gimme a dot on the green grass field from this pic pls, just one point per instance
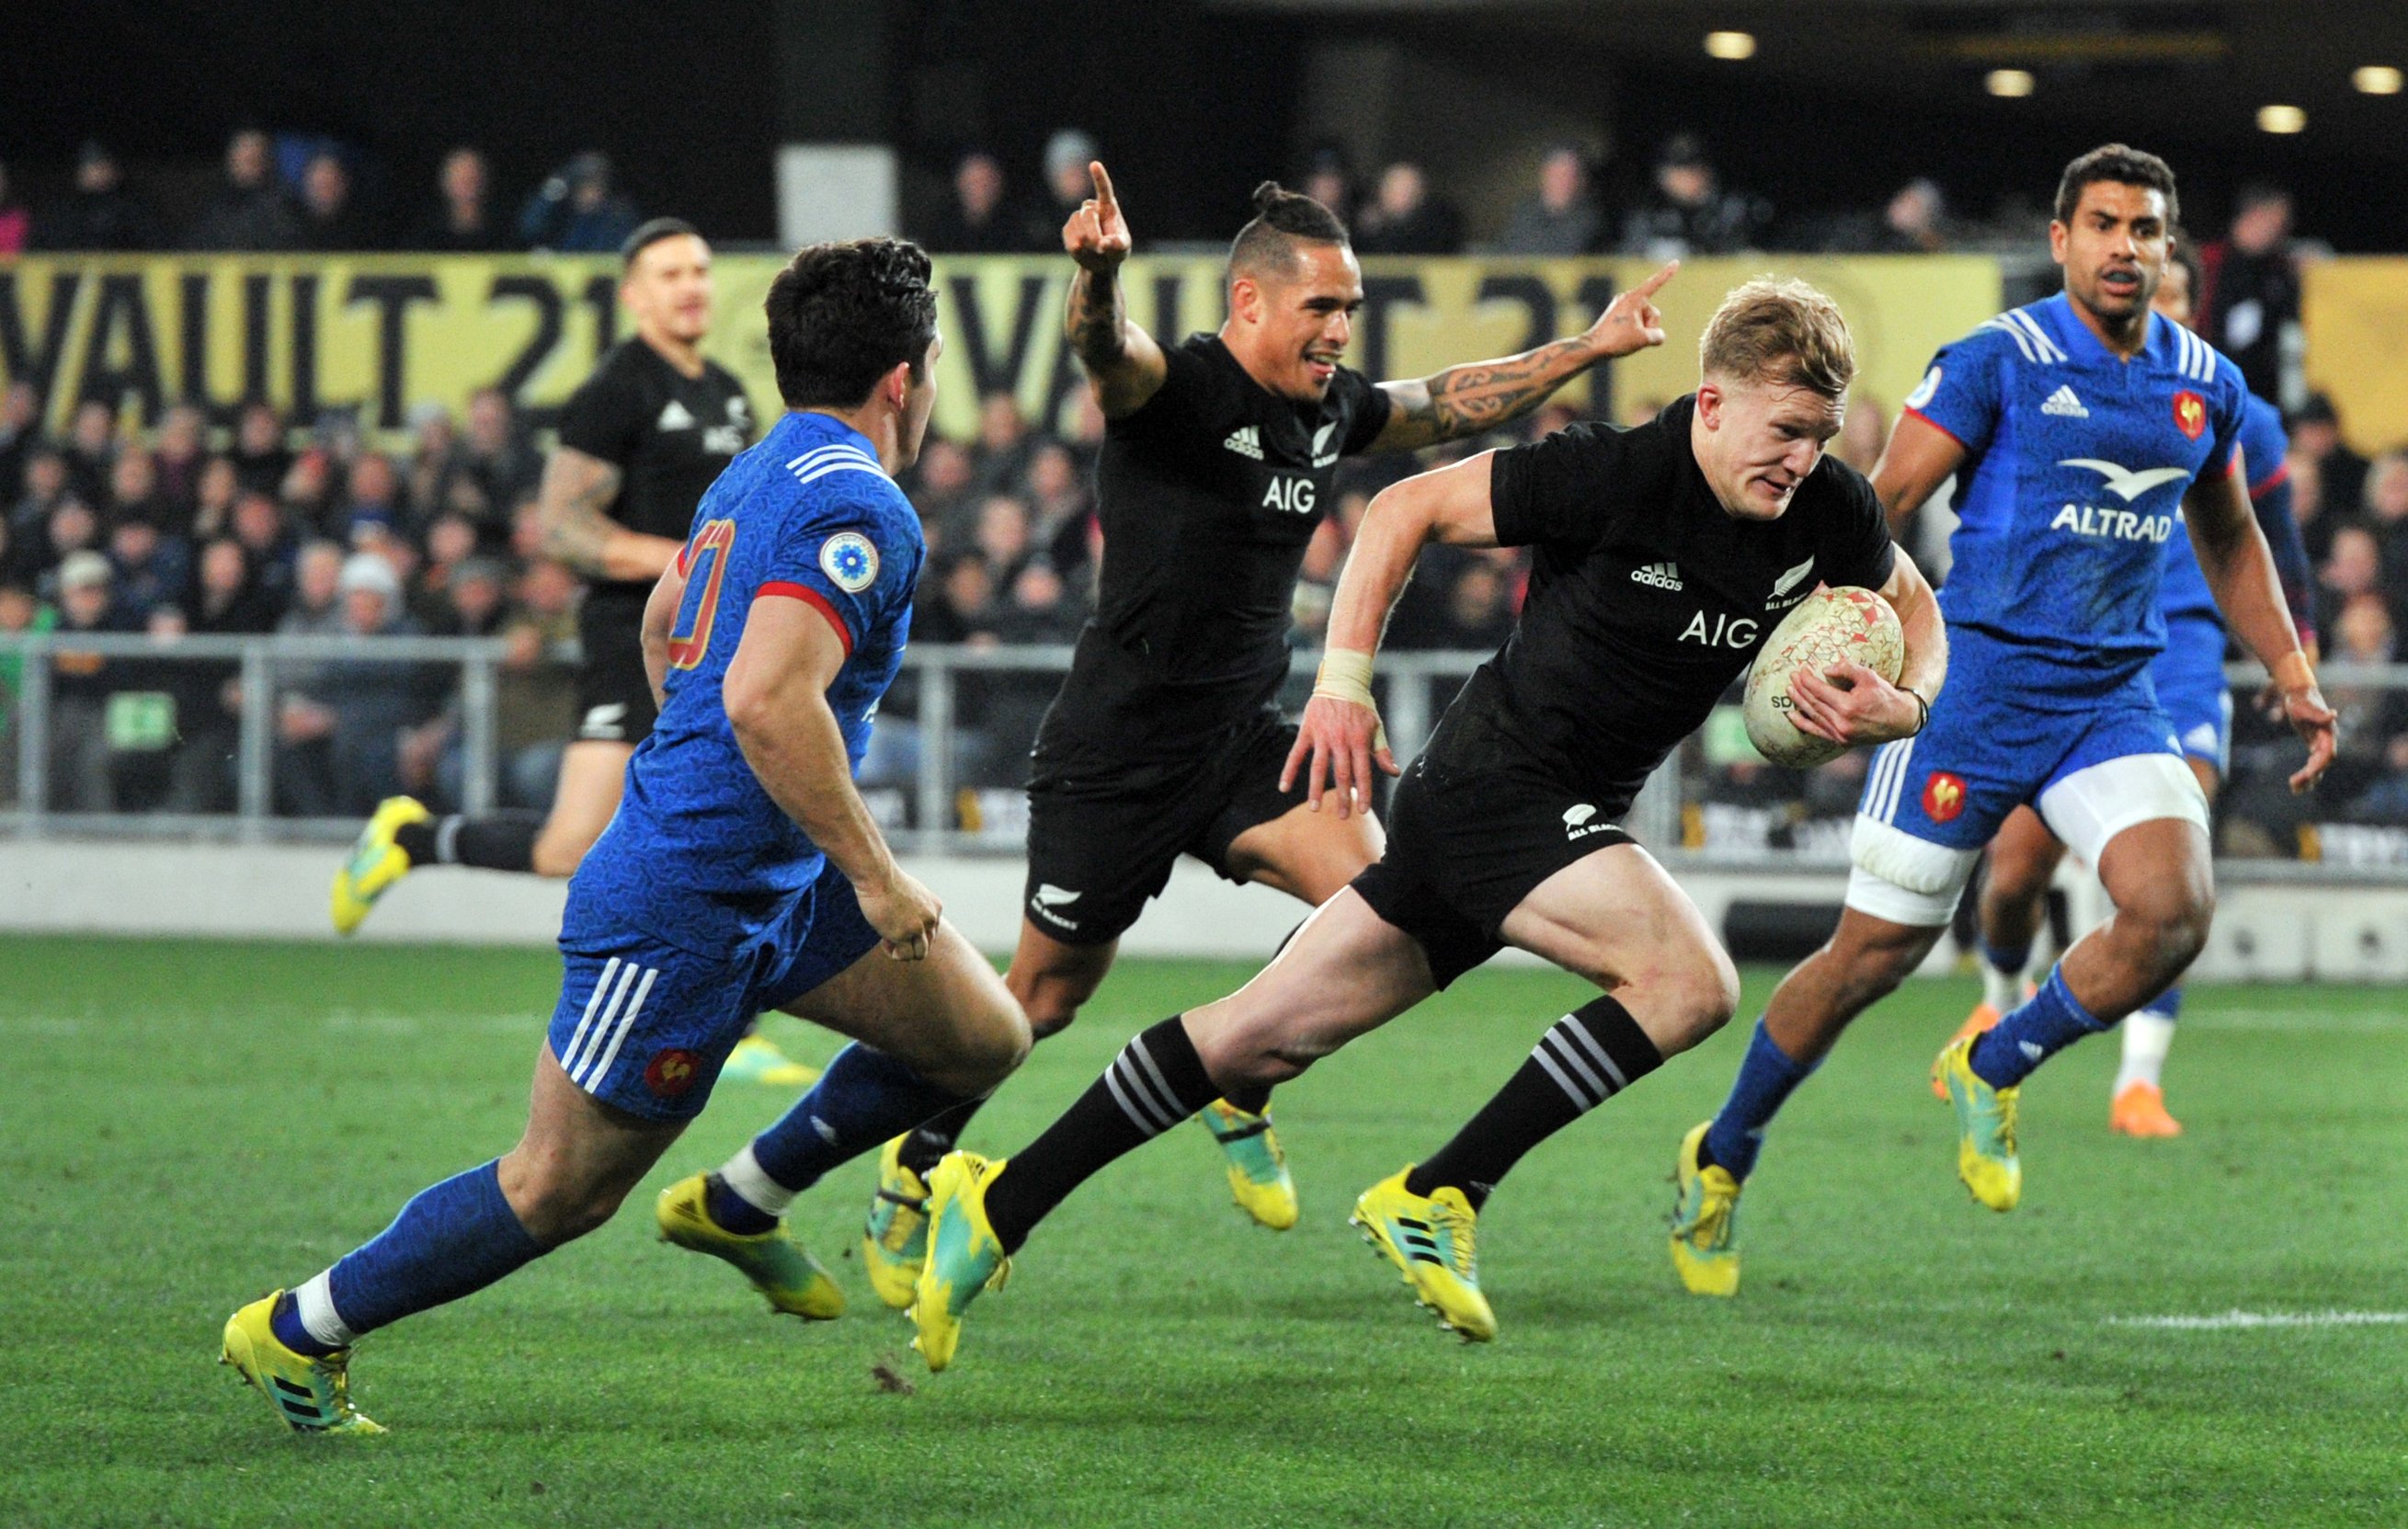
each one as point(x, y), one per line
point(192, 1123)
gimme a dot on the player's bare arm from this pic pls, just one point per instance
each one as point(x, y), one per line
point(775, 693)
point(1852, 704)
point(1340, 738)
point(2239, 569)
point(578, 533)
point(1481, 395)
point(659, 619)
point(1920, 457)
point(1125, 366)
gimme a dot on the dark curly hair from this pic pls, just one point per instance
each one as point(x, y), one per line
point(1282, 219)
point(841, 316)
point(2123, 166)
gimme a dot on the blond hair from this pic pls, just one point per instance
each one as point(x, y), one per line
point(1780, 330)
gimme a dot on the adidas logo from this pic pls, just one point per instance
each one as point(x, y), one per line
point(1246, 441)
point(675, 417)
point(2065, 406)
point(1664, 576)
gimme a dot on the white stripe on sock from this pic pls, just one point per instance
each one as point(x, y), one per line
point(1143, 1118)
point(1162, 1085)
point(1580, 1032)
point(314, 1304)
point(447, 840)
point(619, 1037)
point(1563, 1081)
point(752, 1184)
point(1566, 1053)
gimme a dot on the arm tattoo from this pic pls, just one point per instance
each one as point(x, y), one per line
point(1094, 321)
point(1479, 395)
point(575, 530)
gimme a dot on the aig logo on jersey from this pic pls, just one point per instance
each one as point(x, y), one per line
point(849, 560)
point(1292, 494)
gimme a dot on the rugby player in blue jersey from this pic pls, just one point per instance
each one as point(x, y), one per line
point(2083, 434)
point(742, 873)
point(2189, 679)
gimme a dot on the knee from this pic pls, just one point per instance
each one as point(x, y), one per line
point(1870, 971)
point(984, 1052)
point(555, 1205)
point(1690, 1000)
point(1049, 1013)
point(2172, 925)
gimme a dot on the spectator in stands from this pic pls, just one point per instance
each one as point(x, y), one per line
point(214, 492)
point(1330, 181)
point(373, 498)
point(2315, 434)
point(1406, 219)
point(331, 219)
point(101, 213)
point(149, 567)
point(1059, 505)
point(1864, 430)
point(21, 432)
point(268, 543)
point(20, 613)
point(227, 601)
point(2354, 567)
point(1068, 184)
point(1915, 222)
point(2309, 506)
point(462, 221)
point(497, 454)
point(92, 449)
point(81, 683)
point(2251, 298)
point(47, 484)
point(16, 224)
point(261, 456)
point(72, 528)
point(2371, 716)
point(1687, 212)
point(1480, 606)
point(940, 486)
point(1001, 457)
point(340, 737)
point(179, 454)
point(307, 495)
point(434, 600)
point(1001, 537)
point(981, 219)
point(249, 211)
point(576, 211)
point(316, 609)
point(1563, 216)
point(134, 487)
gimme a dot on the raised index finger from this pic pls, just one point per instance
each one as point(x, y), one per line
point(1648, 288)
point(1106, 202)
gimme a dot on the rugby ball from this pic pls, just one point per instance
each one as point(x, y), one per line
point(1829, 626)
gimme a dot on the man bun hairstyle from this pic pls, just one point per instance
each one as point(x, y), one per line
point(1282, 219)
point(1781, 332)
point(649, 234)
point(2124, 165)
point(842, 316)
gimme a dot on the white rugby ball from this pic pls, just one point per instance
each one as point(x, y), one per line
point(1829, 626)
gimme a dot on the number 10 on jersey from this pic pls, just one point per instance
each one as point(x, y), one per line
point(706, 565)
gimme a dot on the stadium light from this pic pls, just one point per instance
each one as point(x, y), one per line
point(1732, 46)
point(2377, 79)
point(2282, 119)
point(2009, 83)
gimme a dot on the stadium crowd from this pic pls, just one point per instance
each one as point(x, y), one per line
point(259, 523)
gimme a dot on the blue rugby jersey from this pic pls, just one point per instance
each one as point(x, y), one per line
point(2077, 462)
point(698, 854)
point(2264, 450)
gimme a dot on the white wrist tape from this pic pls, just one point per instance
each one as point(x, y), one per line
point(1346, 676)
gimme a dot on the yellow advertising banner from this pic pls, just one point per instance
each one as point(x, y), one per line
point(2356, 313)
point(380, 335)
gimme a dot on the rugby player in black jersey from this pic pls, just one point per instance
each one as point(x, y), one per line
point(1665, 554)
point(1218, 463)
point(640, 441)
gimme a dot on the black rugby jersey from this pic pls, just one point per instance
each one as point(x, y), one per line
point(1207, 495)
point(1647, 599)
point(670, 434)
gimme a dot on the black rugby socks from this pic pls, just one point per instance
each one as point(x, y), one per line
point(1154, 1083)
point(1586, 1058)
point(502, 841)
point(935, 1137)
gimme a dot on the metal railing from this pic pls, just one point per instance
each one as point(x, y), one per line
point(925, 794)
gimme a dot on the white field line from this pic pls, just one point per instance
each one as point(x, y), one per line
point(2236, 1319)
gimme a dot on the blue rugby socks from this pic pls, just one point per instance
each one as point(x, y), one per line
point(452, 1240)
point(1767, 1077)
point(864, 1097)
point(2034, 1032)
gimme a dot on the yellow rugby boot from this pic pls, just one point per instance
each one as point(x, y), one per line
point(1986, 1129)
point(1984, 1015)
point(894, 1243)
point(780, 1270)
point(1430, 1239)
point(757, 1059)
point(375, 862)
point(1259, 1176)
point(965, 1256)
point(1705, 1220)
point(310, 1395)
